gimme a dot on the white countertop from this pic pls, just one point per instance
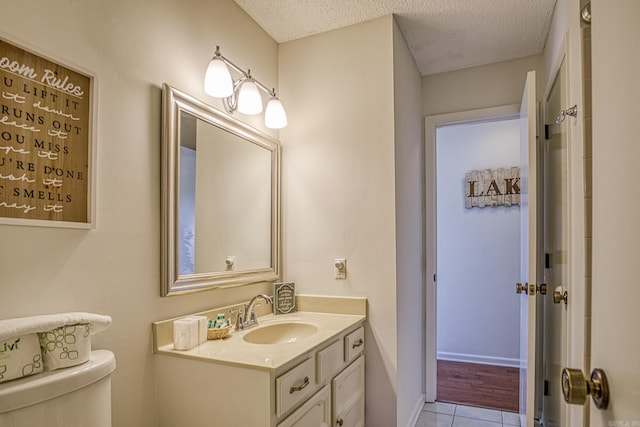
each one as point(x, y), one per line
point(234, 350)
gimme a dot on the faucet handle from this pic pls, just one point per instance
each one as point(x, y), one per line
point(239, 318)
point(251, 316)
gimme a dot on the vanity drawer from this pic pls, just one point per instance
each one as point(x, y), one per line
point(329, 361)
point(353, 344)
point(294, 386)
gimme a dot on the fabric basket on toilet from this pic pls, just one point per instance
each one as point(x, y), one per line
point(20, 357)
point(65, 346)
point(29, 345)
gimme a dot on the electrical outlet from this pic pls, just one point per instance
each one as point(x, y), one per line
point(339, 268)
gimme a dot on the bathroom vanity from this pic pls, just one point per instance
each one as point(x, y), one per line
point(303, 368)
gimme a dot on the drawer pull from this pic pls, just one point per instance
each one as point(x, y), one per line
point(299, 387)
point(358, 343)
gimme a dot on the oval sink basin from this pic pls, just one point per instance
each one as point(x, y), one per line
point(280, 333)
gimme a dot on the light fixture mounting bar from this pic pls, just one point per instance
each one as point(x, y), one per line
point(242, 94)
point(247, 73)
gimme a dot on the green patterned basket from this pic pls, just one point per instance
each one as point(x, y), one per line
point(65, 346)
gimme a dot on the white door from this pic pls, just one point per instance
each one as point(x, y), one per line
point(615, 339)
point(529, 249)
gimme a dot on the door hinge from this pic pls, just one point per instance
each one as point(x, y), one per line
point(547, 132)
point(546, 388)
point(547, 260)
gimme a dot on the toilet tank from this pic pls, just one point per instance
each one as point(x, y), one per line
point(79, 396)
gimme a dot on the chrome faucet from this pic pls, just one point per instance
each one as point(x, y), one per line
point(248, 319)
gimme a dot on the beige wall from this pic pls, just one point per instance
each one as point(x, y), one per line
point(409, 230)
point(339, 184)
point(115, 269)
point(485, 86)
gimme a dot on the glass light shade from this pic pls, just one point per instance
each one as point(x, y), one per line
point(275, 117)
point(249, 99)
point(217, 80)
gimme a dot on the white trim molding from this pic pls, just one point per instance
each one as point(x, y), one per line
point(479, 359)
point(415, 413)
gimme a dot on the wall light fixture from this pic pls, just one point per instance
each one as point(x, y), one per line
point(242, 94)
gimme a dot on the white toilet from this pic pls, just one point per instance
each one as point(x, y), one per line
point(79, 396)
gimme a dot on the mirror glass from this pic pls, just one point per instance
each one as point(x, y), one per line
point(220, 199)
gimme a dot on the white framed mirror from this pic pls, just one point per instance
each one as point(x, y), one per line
point(220, 199)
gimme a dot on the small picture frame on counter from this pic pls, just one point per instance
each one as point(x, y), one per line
point(284, 298)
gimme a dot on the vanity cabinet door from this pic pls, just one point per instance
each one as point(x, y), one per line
point(315, 412)
point(348, 396)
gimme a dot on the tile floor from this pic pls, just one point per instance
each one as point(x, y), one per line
point(441, 414)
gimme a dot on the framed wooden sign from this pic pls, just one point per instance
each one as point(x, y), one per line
point(492, 187)
point(46, 141)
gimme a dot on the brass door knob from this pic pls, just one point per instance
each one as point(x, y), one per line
point(559, 295)
point(531, 289)
point(576, 387)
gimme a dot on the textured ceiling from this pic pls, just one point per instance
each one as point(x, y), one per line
point(443, 35)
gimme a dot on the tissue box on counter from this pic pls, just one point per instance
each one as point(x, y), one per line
point(185, 333)
point(202, 327)
point(65, 346)
point(20, 357)
point(189, 332)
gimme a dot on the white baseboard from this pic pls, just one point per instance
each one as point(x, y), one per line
point(476, 358)
point(416, 411)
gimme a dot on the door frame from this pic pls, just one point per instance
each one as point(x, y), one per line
point(547, 117)
point(430, 126)
point(571, 52)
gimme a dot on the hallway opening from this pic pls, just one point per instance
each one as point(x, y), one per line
point(476, 354)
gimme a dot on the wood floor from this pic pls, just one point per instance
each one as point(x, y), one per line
point(486, 386)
